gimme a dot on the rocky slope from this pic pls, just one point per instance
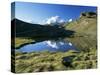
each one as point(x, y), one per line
point(85, 28)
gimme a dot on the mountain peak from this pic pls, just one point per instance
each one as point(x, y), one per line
point(88, 14)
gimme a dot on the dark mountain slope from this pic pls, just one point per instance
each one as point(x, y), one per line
point(24, 29)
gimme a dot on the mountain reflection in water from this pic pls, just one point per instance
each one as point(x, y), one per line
point(48, 45)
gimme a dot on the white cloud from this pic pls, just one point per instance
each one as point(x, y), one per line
point(30, 21)
point(54, 20)
point(61, 21)
point(70, 44)
point(70, 20)
point(61, 43)
point(52, 44)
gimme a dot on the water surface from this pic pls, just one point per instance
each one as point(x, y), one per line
point(48, 45)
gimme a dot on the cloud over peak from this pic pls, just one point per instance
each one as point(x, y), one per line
point(54, 20)
point(70, 20)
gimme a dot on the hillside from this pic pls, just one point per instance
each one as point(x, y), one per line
point(24, 29)
point(85, 28)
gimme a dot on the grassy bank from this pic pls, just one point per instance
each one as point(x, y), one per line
point(20, 41)
point(48, 61)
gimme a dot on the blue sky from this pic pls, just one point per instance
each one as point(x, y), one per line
point(39, 12)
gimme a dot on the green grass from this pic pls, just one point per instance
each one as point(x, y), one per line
point(52, 61)
point(83, 42)
point(19, 41)
point(85, 35)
